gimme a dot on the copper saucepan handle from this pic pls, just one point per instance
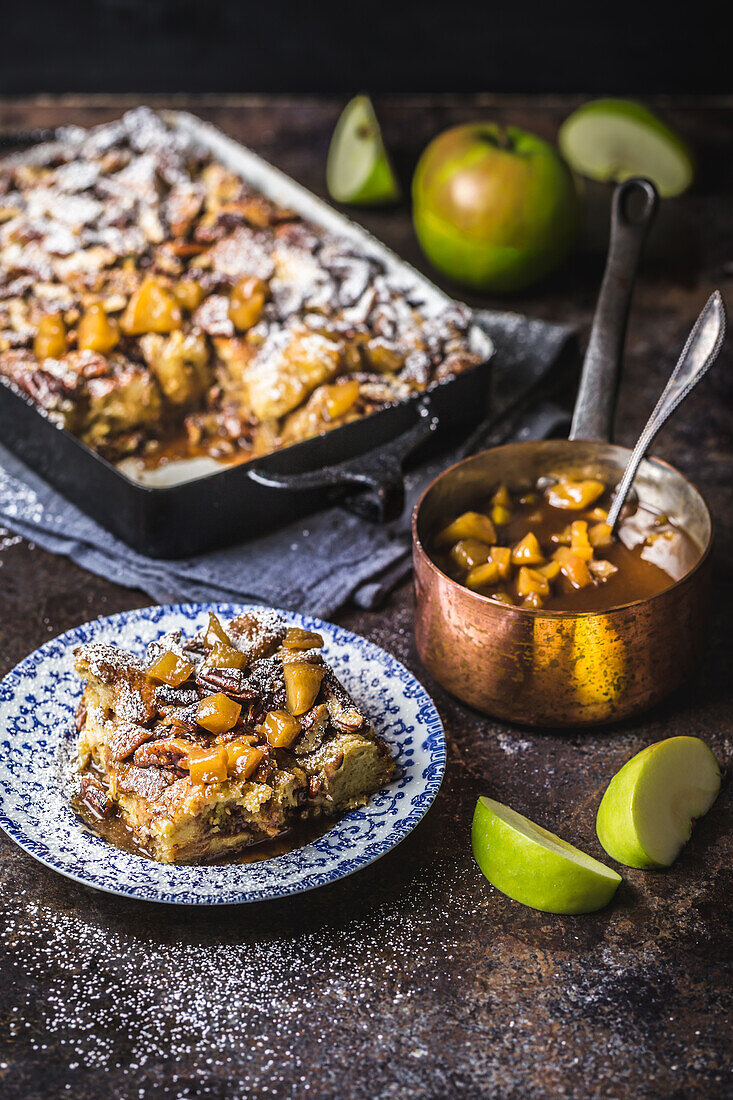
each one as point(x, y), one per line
point(630, 222)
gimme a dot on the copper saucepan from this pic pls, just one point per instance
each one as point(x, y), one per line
point(564, 668)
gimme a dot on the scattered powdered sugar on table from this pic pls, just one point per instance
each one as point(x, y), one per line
point(512, 745)
point(195, 1003)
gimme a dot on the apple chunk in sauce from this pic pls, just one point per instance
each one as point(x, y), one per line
point(550, 547)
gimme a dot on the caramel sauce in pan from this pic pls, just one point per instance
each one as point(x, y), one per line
point(179, 447)
point(643, 569)
point(113, 830)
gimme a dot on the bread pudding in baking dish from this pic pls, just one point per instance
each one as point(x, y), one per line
point(156, 305)
point(224, 740)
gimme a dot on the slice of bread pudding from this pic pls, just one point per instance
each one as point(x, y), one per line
point(216, 742)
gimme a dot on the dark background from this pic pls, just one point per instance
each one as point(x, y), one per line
point(307, 45)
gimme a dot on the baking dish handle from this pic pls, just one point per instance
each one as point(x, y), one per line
point(377, 476)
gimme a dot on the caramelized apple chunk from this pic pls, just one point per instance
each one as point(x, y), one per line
point(302, 684)
point(296, 638)
point(579, 543)
point(170, 669)
point(502, 497)
point(600, 535)
point(247, 302)
point(573, 567)
point(483, 575)
point(50, 339)
point(527, 551)
point(468, 553)
point(222, 655)
point(502, 596)
point(95, 331)
point(189, 294)
point(502, 555)
point(243, 759)
point(215, 634)
point(341, 397)
point(551, 570)
point(575, 495)
point(281, 728)
point(208, 765)
point(470, 525)
point(218, 713)
point(152, 308)
point(531, 580)
point(602, 570)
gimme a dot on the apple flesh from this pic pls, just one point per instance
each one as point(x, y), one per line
point(615, 139)
point(535, 867)
point(647, 813)
point(358, 169)
point(494, 208)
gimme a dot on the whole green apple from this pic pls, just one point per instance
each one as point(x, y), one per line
point(494, 207)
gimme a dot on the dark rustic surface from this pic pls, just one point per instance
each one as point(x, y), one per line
point(414, 977)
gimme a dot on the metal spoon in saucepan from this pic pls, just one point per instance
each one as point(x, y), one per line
point(698, 355)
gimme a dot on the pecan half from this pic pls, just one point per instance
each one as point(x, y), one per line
point(182, 696)
point(165, 753)
point(126, 740)
point(344, 715)
point(94, 797)
point(229, 680)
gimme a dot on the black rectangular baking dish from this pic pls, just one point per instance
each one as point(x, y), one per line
point(360, 462)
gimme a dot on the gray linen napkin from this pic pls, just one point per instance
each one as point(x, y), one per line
point(314, 565)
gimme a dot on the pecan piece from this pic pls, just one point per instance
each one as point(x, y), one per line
point(80, 715)
point(94, 797)
point(182, 696)
point(229, 680)
point(314, 786)
point(168, 752)
point(333, 765)
point(126, 740)
point(344, 715)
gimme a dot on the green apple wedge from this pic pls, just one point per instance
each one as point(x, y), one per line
point(647, 813)
point(535, 867)
point(358, 169)
point(614, 139)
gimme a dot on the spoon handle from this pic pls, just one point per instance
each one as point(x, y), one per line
point(633, 207)
point(698, 354)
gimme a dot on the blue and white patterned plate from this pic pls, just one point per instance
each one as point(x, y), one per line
point(37, 701)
